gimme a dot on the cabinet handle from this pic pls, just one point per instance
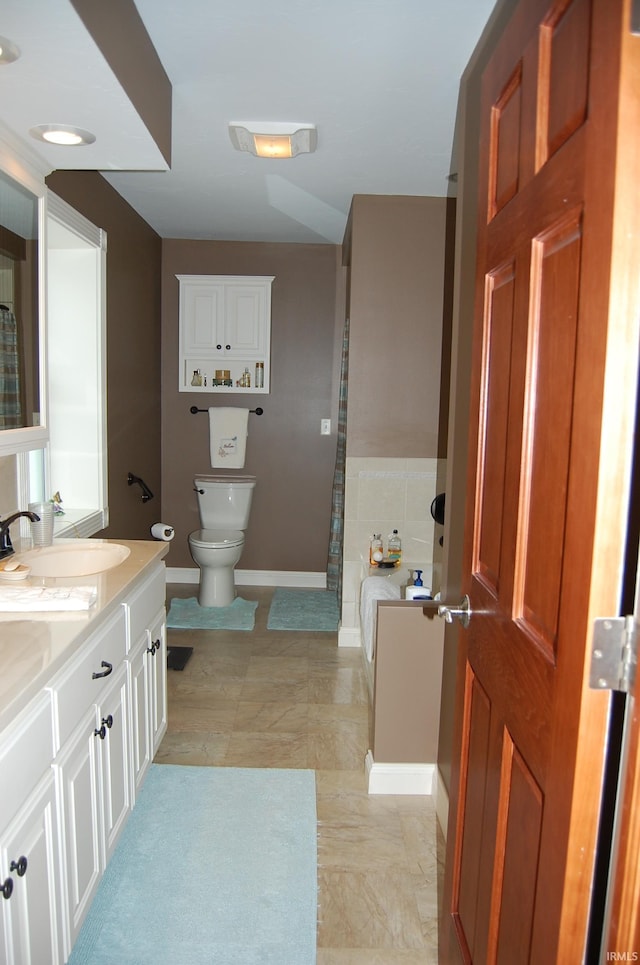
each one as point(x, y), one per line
point(7, 888)
point(228, 347)
point(102, 673)
point(108, 721)
point(20, 866)
point(100, 732)
point(152, 648)
point(218, 347)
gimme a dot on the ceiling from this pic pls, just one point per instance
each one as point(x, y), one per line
point(379, 79)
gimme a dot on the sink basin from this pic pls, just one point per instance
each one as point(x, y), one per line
point(80, 557)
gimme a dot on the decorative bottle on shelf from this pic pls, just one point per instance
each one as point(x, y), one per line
point(394, 548)
point(259, 375)
point(375, 550)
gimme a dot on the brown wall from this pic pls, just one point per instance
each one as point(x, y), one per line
point(395, 249)
point(133, 348)
point(406, 704)
point(293, 463)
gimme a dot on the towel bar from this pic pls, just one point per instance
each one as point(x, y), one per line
point(194, 409)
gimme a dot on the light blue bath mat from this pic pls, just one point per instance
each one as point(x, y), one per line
point(189, 615)
point(216, 866)
point(298, 609)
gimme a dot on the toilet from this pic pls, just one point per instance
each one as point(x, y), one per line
point(224, 504)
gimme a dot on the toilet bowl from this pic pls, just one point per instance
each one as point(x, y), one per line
point(224, 503)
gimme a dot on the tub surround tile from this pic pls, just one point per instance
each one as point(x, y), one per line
point(382, 495)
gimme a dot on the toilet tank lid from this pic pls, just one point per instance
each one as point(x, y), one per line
point(225, 480)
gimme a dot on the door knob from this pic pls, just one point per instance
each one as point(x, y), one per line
point(462, 612)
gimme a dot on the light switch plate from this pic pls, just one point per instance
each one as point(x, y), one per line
point(325, 427)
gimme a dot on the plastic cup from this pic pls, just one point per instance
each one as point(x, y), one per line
point(42, 531)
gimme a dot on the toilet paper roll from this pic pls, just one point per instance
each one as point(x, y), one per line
point(162, 531)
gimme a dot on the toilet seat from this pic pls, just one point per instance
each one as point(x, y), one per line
point(216, 538)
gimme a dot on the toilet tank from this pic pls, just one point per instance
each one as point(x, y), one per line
point(224, 502)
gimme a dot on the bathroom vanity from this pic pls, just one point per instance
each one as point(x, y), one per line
point(82, 711)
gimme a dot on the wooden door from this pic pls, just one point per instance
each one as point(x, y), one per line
point(553, 399)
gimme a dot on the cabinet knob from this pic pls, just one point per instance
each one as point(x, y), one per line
point(102, 673)
point(100, 732)
point(20, 866)
point(228, 347)
point(218, 347)
point(108, 721)
point(7, 888)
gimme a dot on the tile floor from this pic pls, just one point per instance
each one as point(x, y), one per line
point(289, 699)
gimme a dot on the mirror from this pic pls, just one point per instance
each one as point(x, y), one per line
point(19, 286)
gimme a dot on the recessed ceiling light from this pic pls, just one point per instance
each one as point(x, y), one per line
point(273, 139)
point(8, 51)
point(63, 134)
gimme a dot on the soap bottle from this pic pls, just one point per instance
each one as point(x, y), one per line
point(394, 548)
point(417, 590)
point(375, 551)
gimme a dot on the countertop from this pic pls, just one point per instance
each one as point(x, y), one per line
point(33, 647)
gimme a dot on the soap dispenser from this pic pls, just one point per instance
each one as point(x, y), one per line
point(417, 591)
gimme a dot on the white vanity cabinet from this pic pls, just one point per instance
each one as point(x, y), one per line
point(147, 670)
point(83, 708)
point(92, 766)
point(225, 327)
point(31, 903)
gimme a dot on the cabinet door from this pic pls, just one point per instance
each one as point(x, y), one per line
point(246, 319)
point(29, 856)
point(202, 317)
point(140, 719)
point(158, 678)
point(113, 740)
point(76, 770)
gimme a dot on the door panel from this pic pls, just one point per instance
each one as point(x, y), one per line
point(547, 488)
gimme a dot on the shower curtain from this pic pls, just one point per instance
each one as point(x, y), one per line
point(336, 538)
point(10, 408)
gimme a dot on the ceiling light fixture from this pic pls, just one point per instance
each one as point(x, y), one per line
point(273, 138)
point(62, 134)
point(8, 51)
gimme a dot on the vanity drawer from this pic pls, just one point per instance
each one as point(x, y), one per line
point(144, 603)
point(26, 752)
point(76, 688)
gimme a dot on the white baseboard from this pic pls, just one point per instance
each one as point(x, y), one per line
point(442, 803)
point(349, 637)
point(182, 574)
point(399, 778)
point(191, 574)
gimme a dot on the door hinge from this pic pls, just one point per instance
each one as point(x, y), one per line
point(614, 654)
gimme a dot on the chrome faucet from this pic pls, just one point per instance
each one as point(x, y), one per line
point(6, 548)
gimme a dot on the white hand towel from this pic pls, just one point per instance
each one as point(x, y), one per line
point(28, 599)
point(228, 436)
point(373, 588)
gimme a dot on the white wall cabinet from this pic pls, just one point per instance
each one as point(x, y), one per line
point(225, 330)
point(76, 758)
